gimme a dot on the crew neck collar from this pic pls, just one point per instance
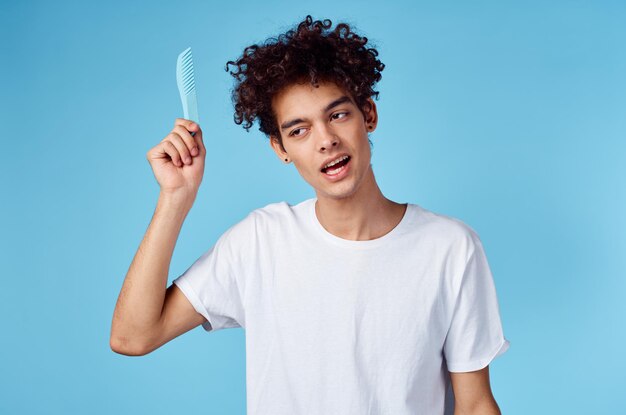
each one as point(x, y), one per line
point(392, 235)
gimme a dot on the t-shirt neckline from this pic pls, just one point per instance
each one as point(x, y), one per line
point(347, 243)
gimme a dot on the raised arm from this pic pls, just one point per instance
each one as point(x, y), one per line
point(147, 314)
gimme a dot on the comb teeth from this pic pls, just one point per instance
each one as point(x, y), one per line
point(185, 63)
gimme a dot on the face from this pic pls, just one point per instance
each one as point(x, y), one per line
point(320, 125)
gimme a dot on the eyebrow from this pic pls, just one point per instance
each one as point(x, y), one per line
point(330, 106)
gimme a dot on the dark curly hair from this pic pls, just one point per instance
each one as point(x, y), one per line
point(310, 52)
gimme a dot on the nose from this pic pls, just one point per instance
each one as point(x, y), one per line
point(329, 139)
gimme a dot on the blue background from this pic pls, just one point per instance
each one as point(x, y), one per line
point(508, 116)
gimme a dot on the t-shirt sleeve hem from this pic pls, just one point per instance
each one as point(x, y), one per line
point(477, 364)
point(193, 298)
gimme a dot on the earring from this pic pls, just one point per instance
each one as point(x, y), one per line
point(286, 159)
point(370, 127)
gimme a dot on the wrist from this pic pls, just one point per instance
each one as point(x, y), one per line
point(176, 199)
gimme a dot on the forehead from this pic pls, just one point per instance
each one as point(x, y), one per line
point(303, 99)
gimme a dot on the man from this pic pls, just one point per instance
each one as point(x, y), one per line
point(352, 303)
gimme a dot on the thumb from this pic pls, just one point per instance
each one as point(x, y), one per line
point(197, 136)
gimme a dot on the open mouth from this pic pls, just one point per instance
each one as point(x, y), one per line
point(336, 168)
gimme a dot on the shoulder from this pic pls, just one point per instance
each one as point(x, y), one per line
point(281, 215)
point(264, 219)
point(453, 242)
point(447, 231)
point(273, 211)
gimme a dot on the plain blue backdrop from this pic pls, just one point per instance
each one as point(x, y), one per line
point(510, 116)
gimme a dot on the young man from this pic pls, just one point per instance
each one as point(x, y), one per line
point(352, 303)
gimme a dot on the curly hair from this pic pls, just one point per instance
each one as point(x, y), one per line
point(312, 52)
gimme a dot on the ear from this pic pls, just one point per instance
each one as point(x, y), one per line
point(370, 115)
point(274, 143)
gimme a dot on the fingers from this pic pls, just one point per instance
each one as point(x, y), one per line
point(185, 123)
point(182, 145)
point(168, 148)
point(185, 144)
point(179, 145)
point(194, 131)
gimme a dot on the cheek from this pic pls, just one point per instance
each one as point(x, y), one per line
point(305, 169)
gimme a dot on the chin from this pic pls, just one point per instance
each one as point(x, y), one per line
point(337, 193)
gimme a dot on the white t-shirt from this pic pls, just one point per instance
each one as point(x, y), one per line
point(335, 326)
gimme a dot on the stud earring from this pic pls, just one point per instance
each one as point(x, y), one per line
point(286, 159)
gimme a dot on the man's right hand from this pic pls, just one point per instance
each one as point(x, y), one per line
point(168, 159)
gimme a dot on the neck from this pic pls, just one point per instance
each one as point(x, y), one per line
point(364, 215)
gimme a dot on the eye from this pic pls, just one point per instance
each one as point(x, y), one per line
point(292, 134)
point(339, 113)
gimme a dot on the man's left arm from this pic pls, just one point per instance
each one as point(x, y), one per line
point(472, 393)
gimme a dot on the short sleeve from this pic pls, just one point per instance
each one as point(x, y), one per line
point(475, 336)
point(213, 283)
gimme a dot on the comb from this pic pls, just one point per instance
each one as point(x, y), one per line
point(187, 85)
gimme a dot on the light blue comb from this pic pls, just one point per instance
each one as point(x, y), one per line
point(187, 85)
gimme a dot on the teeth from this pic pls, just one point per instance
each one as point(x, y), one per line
point(335, 171)
point(332, 163)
